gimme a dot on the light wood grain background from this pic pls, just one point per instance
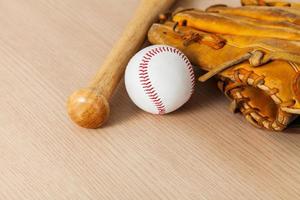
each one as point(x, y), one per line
point(50, 48)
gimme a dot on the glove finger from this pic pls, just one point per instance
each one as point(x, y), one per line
point(217, 23)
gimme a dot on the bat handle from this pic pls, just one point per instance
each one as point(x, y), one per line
point(89, 107)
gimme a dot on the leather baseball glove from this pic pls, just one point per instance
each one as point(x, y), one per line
point(255, 59)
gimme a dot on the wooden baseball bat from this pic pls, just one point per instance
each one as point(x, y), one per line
point(89, 107)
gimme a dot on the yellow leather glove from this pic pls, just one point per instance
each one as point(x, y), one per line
point(259, 72)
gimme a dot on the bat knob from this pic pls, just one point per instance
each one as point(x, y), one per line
point(87, 108)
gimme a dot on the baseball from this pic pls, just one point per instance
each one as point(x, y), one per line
point(159, 79)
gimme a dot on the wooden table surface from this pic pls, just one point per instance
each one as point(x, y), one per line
point(202, 151)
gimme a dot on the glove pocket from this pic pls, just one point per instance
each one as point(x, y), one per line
point(263, 95)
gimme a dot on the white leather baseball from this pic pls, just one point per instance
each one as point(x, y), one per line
point(159, 79)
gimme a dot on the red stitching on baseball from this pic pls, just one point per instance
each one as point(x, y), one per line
point(145, 80)
point(155, 95)
point(158, 101)
point(156, 51)
point(149, 89)
point(143, 73)
point(146, 84)
point(143, 66)
point(151, 53)
point(142, 70)
point(144, 77)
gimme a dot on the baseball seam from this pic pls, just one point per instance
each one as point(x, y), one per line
point(146, 81)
